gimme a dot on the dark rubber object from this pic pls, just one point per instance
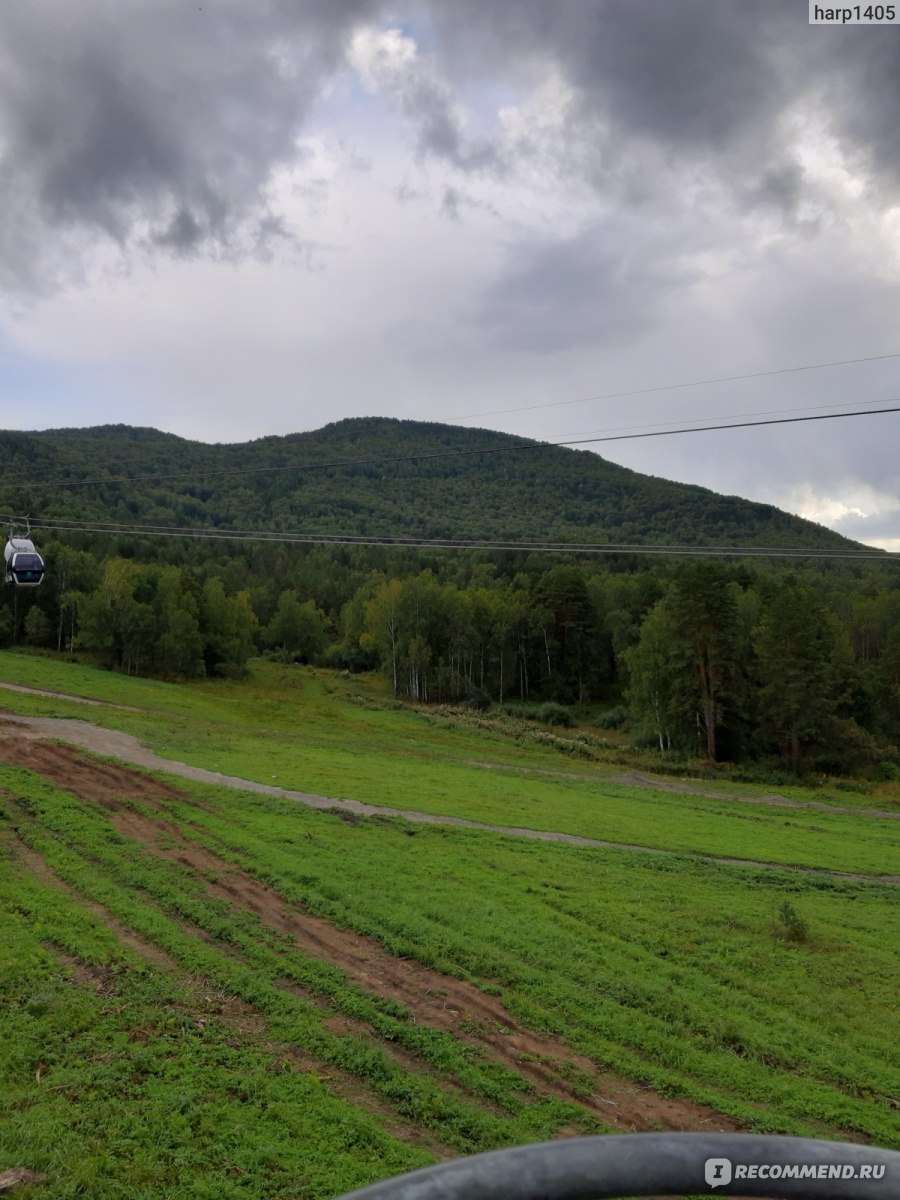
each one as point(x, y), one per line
point(644, 1164)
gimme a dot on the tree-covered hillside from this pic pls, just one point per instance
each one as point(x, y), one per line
point(797, 660)
point(284, 483)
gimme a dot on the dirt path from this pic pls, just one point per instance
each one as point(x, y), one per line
point(639, 780)
point(30, 691)
point(626, 779)
point(127, 748)
point(436, 1000)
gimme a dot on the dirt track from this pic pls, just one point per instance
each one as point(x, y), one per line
point(31, 691)
point(128, 749)
point(209, 1002)
point(435, 1000)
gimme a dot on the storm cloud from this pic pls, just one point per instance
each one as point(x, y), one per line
point(145, 124)
point(162, 124)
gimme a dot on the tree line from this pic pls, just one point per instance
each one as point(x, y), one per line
point(718, 661)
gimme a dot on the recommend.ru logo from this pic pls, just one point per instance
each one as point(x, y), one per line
point(718, 1172)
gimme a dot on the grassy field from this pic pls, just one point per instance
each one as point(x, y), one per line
point(320, 732)
point(167, 1032)
point(125, 1080)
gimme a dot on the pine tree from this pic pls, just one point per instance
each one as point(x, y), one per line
point(803, 654)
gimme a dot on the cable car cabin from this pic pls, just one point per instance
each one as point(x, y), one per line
point(24, 566)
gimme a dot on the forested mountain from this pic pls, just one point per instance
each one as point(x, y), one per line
point(537, 493)
point(796, 660)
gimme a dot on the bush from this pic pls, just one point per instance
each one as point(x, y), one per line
point(790, 925)
point(611, 718)
point(850, 749)
point(478, 699)
point(347, 656)
point(885, 772)
point(555, 714)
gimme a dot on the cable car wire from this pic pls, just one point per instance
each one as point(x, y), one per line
point(671, 387)
point(193, 533)
point(772, 412)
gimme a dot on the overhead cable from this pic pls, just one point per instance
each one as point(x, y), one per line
point(671, 387)
point(771, 412)
point(111, 528)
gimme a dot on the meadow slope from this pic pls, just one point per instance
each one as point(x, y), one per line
point(209, 991)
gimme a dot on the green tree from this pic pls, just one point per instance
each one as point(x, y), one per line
point(104, 615)
point(228, 625)
point(38, 630)
point(297, 629)
point(652, 672)
point(704, 625)
point(179, 650)
point(803, 657)
point(566, 619)
point(68, 571)
point(383, 624)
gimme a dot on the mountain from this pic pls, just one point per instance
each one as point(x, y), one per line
point(403, 478)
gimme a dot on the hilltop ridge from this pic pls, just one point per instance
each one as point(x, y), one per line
point(380, 476)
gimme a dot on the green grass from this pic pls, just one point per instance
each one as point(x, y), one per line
point(667, 970)
point(129, 1095)
point(467, 1103)
point(319, 732)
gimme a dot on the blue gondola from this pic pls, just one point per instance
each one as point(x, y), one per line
point(24, 566)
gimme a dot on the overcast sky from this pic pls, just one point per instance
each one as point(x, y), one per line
point(232, 218)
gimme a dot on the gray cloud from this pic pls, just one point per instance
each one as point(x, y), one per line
point(688, 72)
point(859, 81)
point(660, 87)
point(160, 122)
point(390, 64)
point(577, 198)
point(599, 287)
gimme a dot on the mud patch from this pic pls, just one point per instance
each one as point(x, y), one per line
point(99, 979)
point(103, 783)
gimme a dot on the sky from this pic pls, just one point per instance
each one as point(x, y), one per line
point(238, 218)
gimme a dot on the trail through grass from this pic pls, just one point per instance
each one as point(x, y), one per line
point(317, 732)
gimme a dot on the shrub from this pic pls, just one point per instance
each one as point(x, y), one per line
point(790, 925)
point(555, 714)
point(886, 772)
point(611, 718)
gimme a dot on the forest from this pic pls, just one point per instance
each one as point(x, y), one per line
point(715, 660)
point(720, 659)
